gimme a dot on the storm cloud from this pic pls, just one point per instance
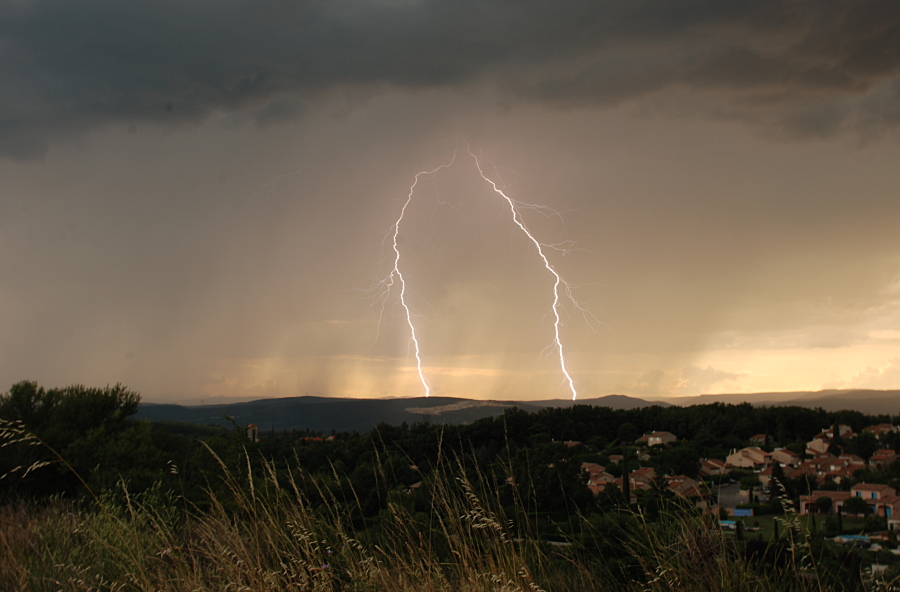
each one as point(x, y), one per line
point(806, 69)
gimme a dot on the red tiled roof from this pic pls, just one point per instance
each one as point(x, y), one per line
point(837, 496)
point(871, 487)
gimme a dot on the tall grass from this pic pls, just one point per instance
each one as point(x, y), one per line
point(266, 534)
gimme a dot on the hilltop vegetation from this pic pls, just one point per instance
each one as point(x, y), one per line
point(92, 497)
point(342, 414)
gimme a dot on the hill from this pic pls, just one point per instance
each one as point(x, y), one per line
point(341, 414)
point(873, 402)
point(611, 401)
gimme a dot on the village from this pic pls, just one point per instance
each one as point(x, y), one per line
point(829, 472)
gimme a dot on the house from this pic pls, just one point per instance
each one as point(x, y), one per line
point(759, 439)
point(822, 441)
point(616, 458)
point(804, 469)
point(882, 459)
point(823, 463)
point(873, 491)
point(816, 467)
point(684, 486)
point(751, 457)
point(881, 499)
point(840, 475)
point(838, 468)
point(828, 466)
point(590, 467)
point(808, 502)
point(818, 446)
point(642, 478)
point(712, 466)
point(598, 478)
point(852, 459)
point(844, 431)
point(893, 520)
point(639, 479)
point(882, 429)
point(656, 438)
point(785, 457)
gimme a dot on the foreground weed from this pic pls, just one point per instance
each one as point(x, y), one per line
point(280, 531)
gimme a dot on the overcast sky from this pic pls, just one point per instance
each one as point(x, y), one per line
point(198, 198)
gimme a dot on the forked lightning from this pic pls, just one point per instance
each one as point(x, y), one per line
point(396, 275)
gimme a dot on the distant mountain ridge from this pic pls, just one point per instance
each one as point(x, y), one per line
point(612, 401)
point(869, 401)
point(324, 414)
point(340, 414)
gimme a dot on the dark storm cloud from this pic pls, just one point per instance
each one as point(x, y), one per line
point(69, 67)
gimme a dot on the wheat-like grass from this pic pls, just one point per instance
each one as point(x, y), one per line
point(264, 534)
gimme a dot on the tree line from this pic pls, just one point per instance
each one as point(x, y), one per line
point(86, 440)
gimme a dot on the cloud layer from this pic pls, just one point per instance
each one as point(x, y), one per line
point(808, 69)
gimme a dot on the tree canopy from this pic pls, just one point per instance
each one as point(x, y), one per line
point(75, 423)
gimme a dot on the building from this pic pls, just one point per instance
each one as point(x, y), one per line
point(642, 478)
point(839, 475)
point(751, 457)
point(598, 477)
point(844, 467)
point(785, 457)
point(822, 441)
point(710, 467)
point(882, 429)
point(684, 486)
point(808, 502)
point(882, 459)
point(828, 467)
point(818, 446)
point(881, 499)
point(657, 438)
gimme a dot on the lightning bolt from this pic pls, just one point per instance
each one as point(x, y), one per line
point(560, 286)
point(557, 279)
point(396, 276)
